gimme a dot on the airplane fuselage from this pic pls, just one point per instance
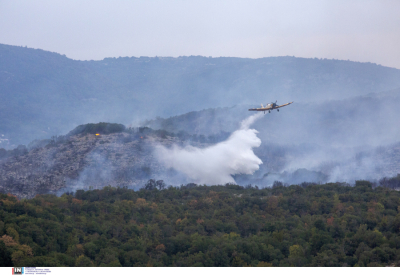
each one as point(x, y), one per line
point(269, 107)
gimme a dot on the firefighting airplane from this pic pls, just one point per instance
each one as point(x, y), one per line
point(271, 106)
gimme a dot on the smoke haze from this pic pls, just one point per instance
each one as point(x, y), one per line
point(331, 141)
point(216, 164)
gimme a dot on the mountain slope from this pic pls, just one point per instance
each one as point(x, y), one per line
point(370, 119)
point(343, 140)
point(44, 94)
point(80, 161)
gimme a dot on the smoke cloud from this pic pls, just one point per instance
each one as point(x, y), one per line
point(217, 163)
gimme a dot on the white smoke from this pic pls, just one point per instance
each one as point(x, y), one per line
point(217, 163)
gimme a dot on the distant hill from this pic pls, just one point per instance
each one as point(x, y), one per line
point(44, 94)
point(370, 119)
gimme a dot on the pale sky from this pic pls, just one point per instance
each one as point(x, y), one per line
point(366, 31)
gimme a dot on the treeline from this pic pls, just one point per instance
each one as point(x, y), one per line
point(333, 224)
point(393, 182)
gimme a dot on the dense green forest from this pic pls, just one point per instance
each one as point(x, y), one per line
point(332, 224)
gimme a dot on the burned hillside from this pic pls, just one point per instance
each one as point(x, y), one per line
point(82, 160)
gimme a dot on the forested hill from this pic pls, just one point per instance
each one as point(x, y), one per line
point(299, 225)
point(44, 94)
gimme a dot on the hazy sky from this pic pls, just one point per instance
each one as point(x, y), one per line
point(367, 31)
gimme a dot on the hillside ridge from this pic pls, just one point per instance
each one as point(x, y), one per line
point(44, 94)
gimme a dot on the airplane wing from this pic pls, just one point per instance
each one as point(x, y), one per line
point(283, 105)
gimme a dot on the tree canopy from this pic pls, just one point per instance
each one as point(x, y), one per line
point(299, 225)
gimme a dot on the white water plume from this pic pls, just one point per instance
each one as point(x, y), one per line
point(217, 163)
